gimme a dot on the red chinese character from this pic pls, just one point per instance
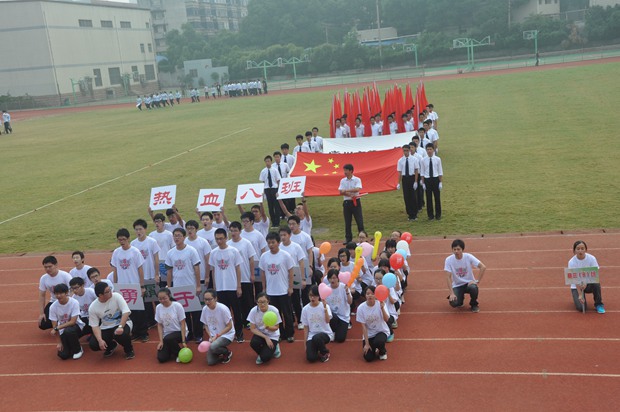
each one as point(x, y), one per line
point(294, 187)
point(184, 297)
point(211, 200)
point(256, 195)
point(161, 198)
point(130, 295)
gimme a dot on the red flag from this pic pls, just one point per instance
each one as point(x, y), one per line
point(408, 98)
point(324, 171)
point(366, 115)
point(332, 120)
point(423, 100)
point(399, 110)
point(351, 113)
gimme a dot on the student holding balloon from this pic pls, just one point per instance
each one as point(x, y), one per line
point(170, 318)
point(391, 303)
point(316, 317)
point(339, 302)
point(265, 325)
point(374, 317)
point(218, 324)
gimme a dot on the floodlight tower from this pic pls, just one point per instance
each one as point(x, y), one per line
point(469, 44)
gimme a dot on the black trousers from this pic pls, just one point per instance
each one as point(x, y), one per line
point(409, 195)
point(340, 328)
point(230, 299)
point(419, 193)
point(194, 326)
point(70, 340)
point(376, 342)
point(299, 299)
point(109, 337)
point(316, 346)
point(460, 292)
point(350, 211)
point(247, 300)
point(594, 289)
point(47, 323)
point(273, 206)
point(171, 347)
point(259, 346)
point(432, 191)
point(138, 318)
point(283, 303)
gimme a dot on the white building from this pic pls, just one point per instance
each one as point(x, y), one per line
point(56, 51)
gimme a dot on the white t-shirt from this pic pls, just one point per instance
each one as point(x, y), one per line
point(314, 319)
point(372, 316)
point(276, 267)
point(85, 300)
point(182, 263)
point(257, 239)
point(575, 263)
point(255, 317)
point(81, 273)
point(224, 263)
point(164, 240)
point(461, 270)
point(337, 301)
point(306, 225)
point(148, 248)
point(305, 242)
point(63, 313)
point(221, 225)
point(170, 317)
point(203, 248)
point(297, 254)
point(247, 252)
point(209, 236)
point(216, 320)
point(108, 314)
point(47, 282)
point(262, 227)
point(127, 263)
point(170, 227)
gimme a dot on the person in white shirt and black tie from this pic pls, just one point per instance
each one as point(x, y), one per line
point(419, 152)
point(309, 145)
point(432, 178)
point(350, 187)
point(284, 170)
point(287, 158)
point(271, 178)
point(408, 167)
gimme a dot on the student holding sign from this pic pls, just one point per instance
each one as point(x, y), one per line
point(585, 260)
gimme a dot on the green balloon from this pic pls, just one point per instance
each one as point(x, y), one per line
point(270, 318)
point(186, 355)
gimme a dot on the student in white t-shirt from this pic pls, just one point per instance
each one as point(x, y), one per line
point(299, 259)
point(165, 242)
point(460, 276)
point(340, 303)
point(66, 323)
point(52, 277)
point(84, 296)
point(220, 220)
point(316, 316)
point(374, 317)
point(95, 277)
point(257, 238)
point(391, 303)
point(208, 231)
point(218, 325)
point(265, 339)
point(80, 268)
point(248, 254)
point(202, 247)
point(149, 248)
point(170, 317)
point(302, 212)
point(173, 216)
point(583, 260)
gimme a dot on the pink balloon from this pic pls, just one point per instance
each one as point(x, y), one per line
point(344, 277)
point(204, 346)
point(381, 293)
point(366, 249)
point(324, 291)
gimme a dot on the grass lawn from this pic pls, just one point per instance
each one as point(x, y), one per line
point(521, 152)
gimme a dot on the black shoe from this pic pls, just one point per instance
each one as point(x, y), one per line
point(110, 350)
point(239, 339)
point(227, 358)
point(438, 217)
point(135, 338)
point(431, 218)
point(130, 355)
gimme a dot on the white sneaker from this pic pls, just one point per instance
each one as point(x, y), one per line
point(300, 326)
point(79, 354)
point(277, 353)
point(383, 357)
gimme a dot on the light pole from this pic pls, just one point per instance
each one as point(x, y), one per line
point(379, 35)
point(529, 35)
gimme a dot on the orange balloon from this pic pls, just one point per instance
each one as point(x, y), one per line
point(325, 248)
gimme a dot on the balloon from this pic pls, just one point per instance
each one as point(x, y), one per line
point(356, 270)
point(366, 249)
point(407, 237)
point(186, 355)
point(381, 293)
point(325, 248)
point(397, 261)
point(402, 245)
point(324, 291)
point(403, 253)
point(270, 318)
point(389, 280)
point(204, 346)
point(344, 277)
point(375, 250)
point(358, 252)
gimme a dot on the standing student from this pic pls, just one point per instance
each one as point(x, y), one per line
point(317, 332)
point(218, 325)
point(432, 182)
point(248, 254)
point(305, 241)
point(286, 157)
point(408, 168)
point(374, 317)
point(271, 178)
point(460, 276)
point(170, 317)
point(350, 187)
point(302, 212)
point(309, 146)
point(202, 247)
point(6, 118)
point(149, 248)
point(265, 339)
point(257, 239)
point(316, 139)
point(208, 231)
point(66, 323)
point(80, 268)
point(339, 302)
point(165, 242)
point(283, 169)
point(52, 277)
point(220, 220)
point(299, 261)
point(583, 260)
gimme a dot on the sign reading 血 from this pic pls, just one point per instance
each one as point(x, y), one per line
point(211, 200)
point(162, 197)
point(577, 276)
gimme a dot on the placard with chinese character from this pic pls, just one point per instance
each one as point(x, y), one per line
point(577, 276)
point(291, 187)
point(186, 296)
point(151, 291)
point(211, 200)
point(132, 295)
point(296, 277)
point(163, 197)
point(252, 193)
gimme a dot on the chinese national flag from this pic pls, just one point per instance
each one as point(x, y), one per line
point(324, 171)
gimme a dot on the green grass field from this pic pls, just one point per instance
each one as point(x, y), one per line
point(522, 152)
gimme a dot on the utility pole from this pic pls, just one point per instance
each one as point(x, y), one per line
point(379, 34)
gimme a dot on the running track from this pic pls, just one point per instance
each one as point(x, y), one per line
point(527, 348)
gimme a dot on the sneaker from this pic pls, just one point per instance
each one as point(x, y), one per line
point(390, 338)
point(395, 325)
point(198, 341)
point(277, 353)
point(247, 325)
point(349, 326)
point(108, 352)
point(227, 358)
point(144, 338)
point(78, 355)
point(353, 313)
point(475, 309)
point(300, 326)
point(178, 360)
point(239, 339)
point(259, 361)
point(383, 357)
point(152, 325)
point(130, 355)
point(290, 339)
point(135, 338)
point(325, 357)
point(600, 309)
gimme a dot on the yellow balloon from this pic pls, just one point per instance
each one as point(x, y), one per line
point(375, 249)
point(358, 252)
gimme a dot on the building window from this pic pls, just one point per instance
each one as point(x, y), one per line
point(106, 23)
point(125, 25)
point(547, 1)
point(193, 72)
point(150, 48)
point(115, 75)
point(142, 47)
point(97, 76)
point(148, 26)
point(157, 42)
point(85, 23)
point(149, 72)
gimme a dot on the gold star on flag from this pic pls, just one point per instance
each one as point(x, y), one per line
point(311, 166)
point(336, 166)
point(334, 172)
point(330, 161)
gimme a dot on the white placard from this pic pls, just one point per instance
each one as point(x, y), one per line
point(163, 197)
point(252, 193)
point(291, 187)
point(578, 276)
point(186, 296)
point(132, 295)
point(211, 200)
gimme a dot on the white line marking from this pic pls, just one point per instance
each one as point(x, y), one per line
point(121, 176)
